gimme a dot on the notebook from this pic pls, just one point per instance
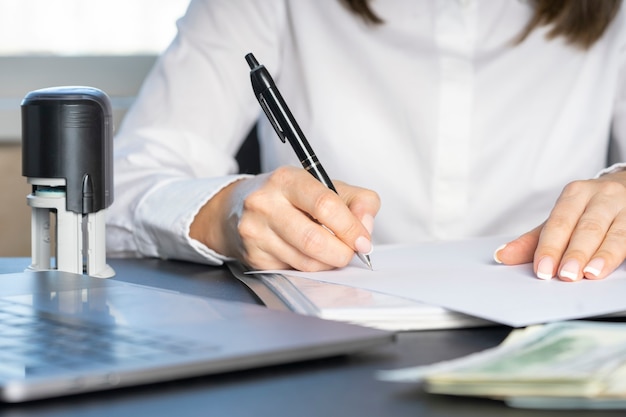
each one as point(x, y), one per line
point(350, 304)
point(62, 334)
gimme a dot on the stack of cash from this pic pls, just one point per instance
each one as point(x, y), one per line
point(574, 364)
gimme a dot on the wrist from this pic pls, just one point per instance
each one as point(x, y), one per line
point(210, 225)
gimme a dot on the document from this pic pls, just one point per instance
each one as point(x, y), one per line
point(463, 277)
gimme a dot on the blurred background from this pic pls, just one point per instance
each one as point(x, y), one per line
point(107, 44)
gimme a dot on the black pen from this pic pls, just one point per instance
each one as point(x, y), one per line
point(286, 126)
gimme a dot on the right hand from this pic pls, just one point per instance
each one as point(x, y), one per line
point(267, 221)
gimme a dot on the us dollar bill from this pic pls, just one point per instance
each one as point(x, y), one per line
point(574, 360)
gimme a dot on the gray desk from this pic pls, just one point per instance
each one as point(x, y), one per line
point(341, 386)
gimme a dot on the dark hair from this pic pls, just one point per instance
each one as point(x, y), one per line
point(580, 22)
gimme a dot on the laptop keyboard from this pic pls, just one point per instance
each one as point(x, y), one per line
point(34, 342)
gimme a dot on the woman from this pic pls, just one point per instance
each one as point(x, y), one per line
point(467, 118)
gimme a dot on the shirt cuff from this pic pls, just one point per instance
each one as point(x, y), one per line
point(164, 218)
point(618, 167)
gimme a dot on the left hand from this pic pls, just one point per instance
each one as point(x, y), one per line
point(584, 236)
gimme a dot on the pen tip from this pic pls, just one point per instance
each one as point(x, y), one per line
point(366, 260)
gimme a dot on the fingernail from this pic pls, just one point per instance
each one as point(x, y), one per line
point(495, 254)
point(545, 268)
point(594, 267)
point(368, 222)
point(570, 270)
point(363, 245)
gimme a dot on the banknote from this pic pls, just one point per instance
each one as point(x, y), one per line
point(573, 359)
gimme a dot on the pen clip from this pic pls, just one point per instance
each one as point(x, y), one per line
point(271, 118)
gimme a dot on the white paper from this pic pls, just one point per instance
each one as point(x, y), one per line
point(462, 276)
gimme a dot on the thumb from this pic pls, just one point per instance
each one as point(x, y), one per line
point(520, 250)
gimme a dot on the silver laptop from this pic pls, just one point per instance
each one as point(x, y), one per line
point(63, 333)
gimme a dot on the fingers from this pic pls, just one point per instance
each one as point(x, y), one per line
point(363, 203)
point(560, 227)
point(336, 212)
point(584, 235)
point(273, 252)
point(520, 250)
point(277, 228)
point(610, 254)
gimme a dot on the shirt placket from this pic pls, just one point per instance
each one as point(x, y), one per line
point(455, 27)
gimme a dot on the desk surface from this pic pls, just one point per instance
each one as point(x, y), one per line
point(341, 386)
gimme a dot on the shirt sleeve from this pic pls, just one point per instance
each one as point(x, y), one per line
point(176, 146)
point(617, 148)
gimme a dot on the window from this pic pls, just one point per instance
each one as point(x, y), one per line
point(107, 44)
point(87, 27)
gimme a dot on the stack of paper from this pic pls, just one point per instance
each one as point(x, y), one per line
point(462, 276)
point(555, 366)
point(367, 308)
point(349, 304)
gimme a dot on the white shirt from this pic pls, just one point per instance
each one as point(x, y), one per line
point(460, 131)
